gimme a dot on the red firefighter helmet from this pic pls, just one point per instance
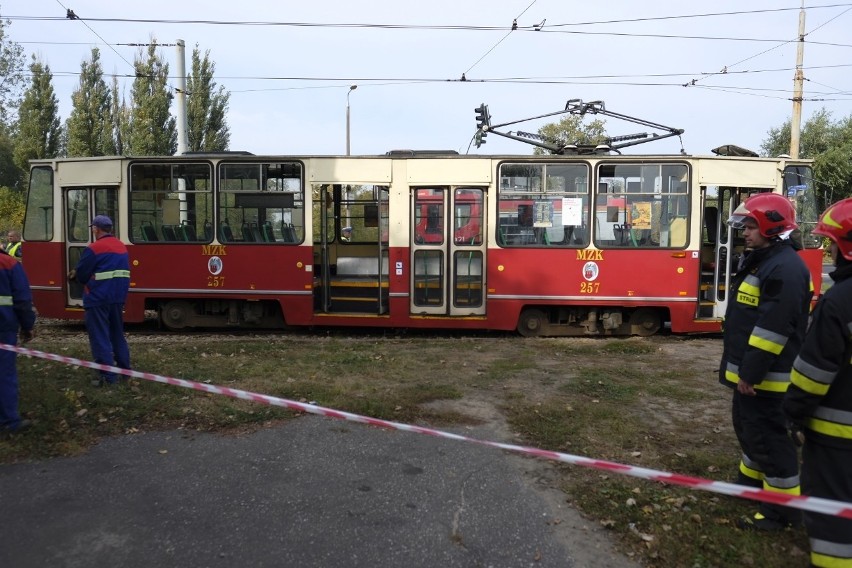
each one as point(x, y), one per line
point(773, 213)
point(836, 224)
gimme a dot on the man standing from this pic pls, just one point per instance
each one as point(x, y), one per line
point(819, 401)
point(13, 244)
point(764, 328)
point(104, 271)
point(16, 312)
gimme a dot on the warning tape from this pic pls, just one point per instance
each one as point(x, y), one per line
point(813, 504)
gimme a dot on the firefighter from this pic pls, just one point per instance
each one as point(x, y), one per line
point(819, 400)
point(104, 271)
point(765, 325)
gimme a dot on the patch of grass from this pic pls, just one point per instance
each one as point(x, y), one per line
point(624, 400)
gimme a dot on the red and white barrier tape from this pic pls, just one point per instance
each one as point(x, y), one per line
point(814, 504)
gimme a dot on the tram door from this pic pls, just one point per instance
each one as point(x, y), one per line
point(80, 205)
point(727, 250)
point(448, 251)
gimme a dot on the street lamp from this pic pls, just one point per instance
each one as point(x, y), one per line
point(351, 88)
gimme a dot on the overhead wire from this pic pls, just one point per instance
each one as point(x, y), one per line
point(514, 27)
point(493, 47)
point(70, 15)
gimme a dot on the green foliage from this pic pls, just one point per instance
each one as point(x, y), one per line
point(829, 144)
point(571, 130)
point(207, 106)
point(38, 119)
point(12, 208)
point(12, 76)
point(10, 174)
point(90, 125)
point(153, 130)
point(120, 120)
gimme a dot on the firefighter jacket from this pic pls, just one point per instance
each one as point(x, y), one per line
point(16, 300)
point(104, 271)
point(766, 319)
point(820, 396)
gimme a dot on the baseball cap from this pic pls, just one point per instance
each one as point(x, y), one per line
point(101, 222)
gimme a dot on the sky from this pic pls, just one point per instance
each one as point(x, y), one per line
point(290, 84)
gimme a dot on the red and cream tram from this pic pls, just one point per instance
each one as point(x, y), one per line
point(547, 245)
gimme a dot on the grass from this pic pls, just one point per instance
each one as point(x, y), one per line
point(649, 402)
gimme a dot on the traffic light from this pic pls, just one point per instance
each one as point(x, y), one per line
point(483, 123)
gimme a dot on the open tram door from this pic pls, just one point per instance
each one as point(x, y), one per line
point(80, 205)
point(351, 246)
point(448, 251)
point(720, 248)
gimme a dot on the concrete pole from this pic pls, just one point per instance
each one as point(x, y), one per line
point(798, 80)
point(180, 99)
point(182, 139)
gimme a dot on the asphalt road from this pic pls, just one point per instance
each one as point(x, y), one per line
point(311, 492)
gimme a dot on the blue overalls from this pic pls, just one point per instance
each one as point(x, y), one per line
point(16, 312)
point(104, 271)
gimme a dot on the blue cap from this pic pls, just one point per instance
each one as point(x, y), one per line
point(102, 222)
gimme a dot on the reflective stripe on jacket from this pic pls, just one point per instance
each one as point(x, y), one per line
point(766, 319)
point(820, 396)
point(16, 300)
point(104, 271)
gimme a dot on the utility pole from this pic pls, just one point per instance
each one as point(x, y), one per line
point(798, 80)
point(180, 99)
point(182, 139)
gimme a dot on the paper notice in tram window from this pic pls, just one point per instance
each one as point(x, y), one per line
point(572, 210)
point(642, 215)
point(543, 214)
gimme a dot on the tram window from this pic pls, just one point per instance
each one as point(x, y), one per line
point(554, 213)
point(798, 187)
point(170, 202)
point(647, 206)
point(261, 203)
point(38, 222)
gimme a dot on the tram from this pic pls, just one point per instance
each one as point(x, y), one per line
point(545, 245)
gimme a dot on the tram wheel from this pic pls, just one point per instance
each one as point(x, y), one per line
point(175, 314)
point(645, 322)
point(532, 323)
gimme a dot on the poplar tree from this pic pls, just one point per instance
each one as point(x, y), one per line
point(120, 121)
point(39, 130)
point(153, 130)
point(90, 125)
point(12, 75)
point(207, 105)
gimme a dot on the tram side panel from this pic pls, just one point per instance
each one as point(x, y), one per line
point(221, 284)
point(608, 285)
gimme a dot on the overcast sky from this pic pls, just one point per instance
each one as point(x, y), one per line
point(289, 83)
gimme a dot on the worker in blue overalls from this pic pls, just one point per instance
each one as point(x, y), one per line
point(16, 314)
point(104, 272)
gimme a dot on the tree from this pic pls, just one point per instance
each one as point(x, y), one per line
point(39, 131)
point(11, 175)
point(12, 208)
point(90, 125)
point(829, 144)
point(121, 115)
point(12, 76)
point(207, 105)
point(153, 130)
point(571, 130)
